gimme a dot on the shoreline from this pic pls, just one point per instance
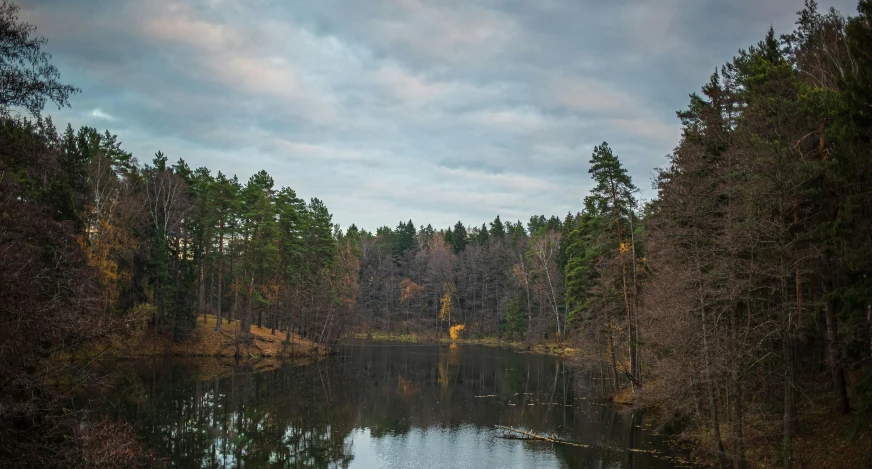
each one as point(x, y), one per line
point(206, 342)
point(548, 348)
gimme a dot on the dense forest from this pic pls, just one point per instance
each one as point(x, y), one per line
point(739, 294)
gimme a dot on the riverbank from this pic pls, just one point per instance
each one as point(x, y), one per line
point(547, 348)
point(205, 341)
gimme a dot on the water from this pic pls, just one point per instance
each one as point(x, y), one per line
point(389, 406)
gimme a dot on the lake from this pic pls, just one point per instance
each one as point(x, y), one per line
point(383, 406)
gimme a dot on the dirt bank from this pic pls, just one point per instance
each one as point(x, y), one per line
point(205, 341)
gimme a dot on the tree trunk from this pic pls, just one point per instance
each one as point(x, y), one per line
point(869, 323)
point(636, 363)
point(834, 347)
point(798, 278)
point(245, 321)
point(234, 307)
point(326, 321)
point(789, 398)
point(834, 352)
point(710, 378)
point(613, 365)
point(712, 398)
point(201, 299)
point(788, 351)
point(737, 433)
point(630, 321)
point(220, 275)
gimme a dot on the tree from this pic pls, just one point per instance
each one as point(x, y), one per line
point(498, 230)
point(29, 79)
point(613, 194)
point(291, 211)
point(224, 198)
point(51, 308)
point(545, 273)
point(459, 237)
point(260, 252)
point(167, 204)
point(446, 302)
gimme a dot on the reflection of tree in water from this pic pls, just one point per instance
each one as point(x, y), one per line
point(289, 417)
point(457, 386)
point(304, 416)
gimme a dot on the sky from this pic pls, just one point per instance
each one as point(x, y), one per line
point(389, 110)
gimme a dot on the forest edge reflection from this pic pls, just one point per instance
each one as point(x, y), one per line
point(380, 405)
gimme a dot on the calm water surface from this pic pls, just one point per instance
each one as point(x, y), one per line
point(385, 406)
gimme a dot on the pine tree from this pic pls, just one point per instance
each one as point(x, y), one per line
point(459, 237)
point(613, 194)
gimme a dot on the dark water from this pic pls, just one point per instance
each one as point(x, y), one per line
point(384, 407)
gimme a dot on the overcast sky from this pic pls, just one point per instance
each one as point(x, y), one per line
point(388, 110)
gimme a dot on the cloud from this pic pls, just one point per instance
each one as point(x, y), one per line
point(319, 152)
point(97, 113)
point(655, 27)
point(589, 95)
point(201, 35)
point(391, 109)
point(411, 88)
point(613, 107)
point(223, 55)
point(458, 33)
point(518, 182)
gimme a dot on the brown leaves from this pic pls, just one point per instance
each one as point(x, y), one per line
point(410, 290)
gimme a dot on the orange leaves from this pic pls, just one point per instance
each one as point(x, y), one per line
point(105, 244)
point(410, 290)
point(270, 291)
point(455, 331)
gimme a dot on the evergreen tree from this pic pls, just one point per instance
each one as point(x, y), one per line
point(459, 237)
point(483, 235)
point(613, 194)
point(498, 230)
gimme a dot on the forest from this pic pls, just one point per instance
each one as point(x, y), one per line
point(737, 301)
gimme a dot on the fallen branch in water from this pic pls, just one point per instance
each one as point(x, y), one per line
point(513, 437)
point(534, 436)
point(527, 436)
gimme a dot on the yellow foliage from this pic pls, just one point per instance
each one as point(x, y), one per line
point(446, 303)
point(455, 331)
point(442, 368)
point(625, 248)
point(454, 355)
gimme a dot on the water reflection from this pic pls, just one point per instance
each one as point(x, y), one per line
point(382, 406)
